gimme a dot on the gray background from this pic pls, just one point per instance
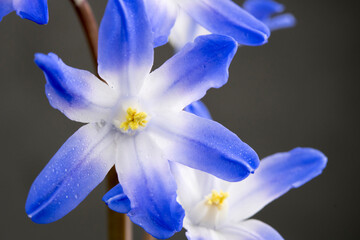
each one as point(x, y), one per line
point(301, 89)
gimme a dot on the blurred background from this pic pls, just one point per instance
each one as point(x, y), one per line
point(300, 89)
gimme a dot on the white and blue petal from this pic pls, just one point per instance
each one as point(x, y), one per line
point(286, 20)
point(204, 145)
point(185, 30)
point(34, 10)
point(192, 185)
point(247, 230)
point(276, 175)
point(227, 18)
point(264, 11)
point(74, 171)
point(145, 177)
point(187, 76)
point(195, 232)
point(162, 15)
point(77, 93)
point(198, 108)
point(117, 200)
point(6, 6)
point(125, 46)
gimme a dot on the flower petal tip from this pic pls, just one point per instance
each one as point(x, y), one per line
point(35, 10)
point(36, 214)
point(41, 19)
point(262, 38)
point(42, 60)
point(228, 43)
point(312, 157)
point(225, 46)
point(116, 200)
point(165, 232)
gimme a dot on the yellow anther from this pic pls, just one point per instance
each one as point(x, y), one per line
point(217, 198)
point(134, 120)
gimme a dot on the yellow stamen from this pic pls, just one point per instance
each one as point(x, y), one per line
point(217, 198)
point(134, 120)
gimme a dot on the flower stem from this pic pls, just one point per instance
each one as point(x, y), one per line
point(119, 225)
point(148, 237)
point(89, 24)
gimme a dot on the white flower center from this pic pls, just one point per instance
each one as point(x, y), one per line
point(134, 120)
point(130, 117)
point(212, 211)
point(217, 198)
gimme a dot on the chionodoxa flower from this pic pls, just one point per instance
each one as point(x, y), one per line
point(219, 210)
point(216, 16)
point(136, 122)
point(186, 29)
point(34, 10)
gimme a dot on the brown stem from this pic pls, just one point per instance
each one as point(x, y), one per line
point(119, 225)
point(89, 24)
point(148, 237)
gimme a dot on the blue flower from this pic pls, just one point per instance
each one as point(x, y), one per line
point(217, 16)
point(186, 29)
point(34, 10)
point(216, 209)
point(264, 11)
point(136, 122)
point(116, 199)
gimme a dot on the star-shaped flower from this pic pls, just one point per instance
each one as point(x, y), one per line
point(34, 10)
point(228, 218)
point(186, 29)
point(136, 122)
point(216, 16)
point(219, 210)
